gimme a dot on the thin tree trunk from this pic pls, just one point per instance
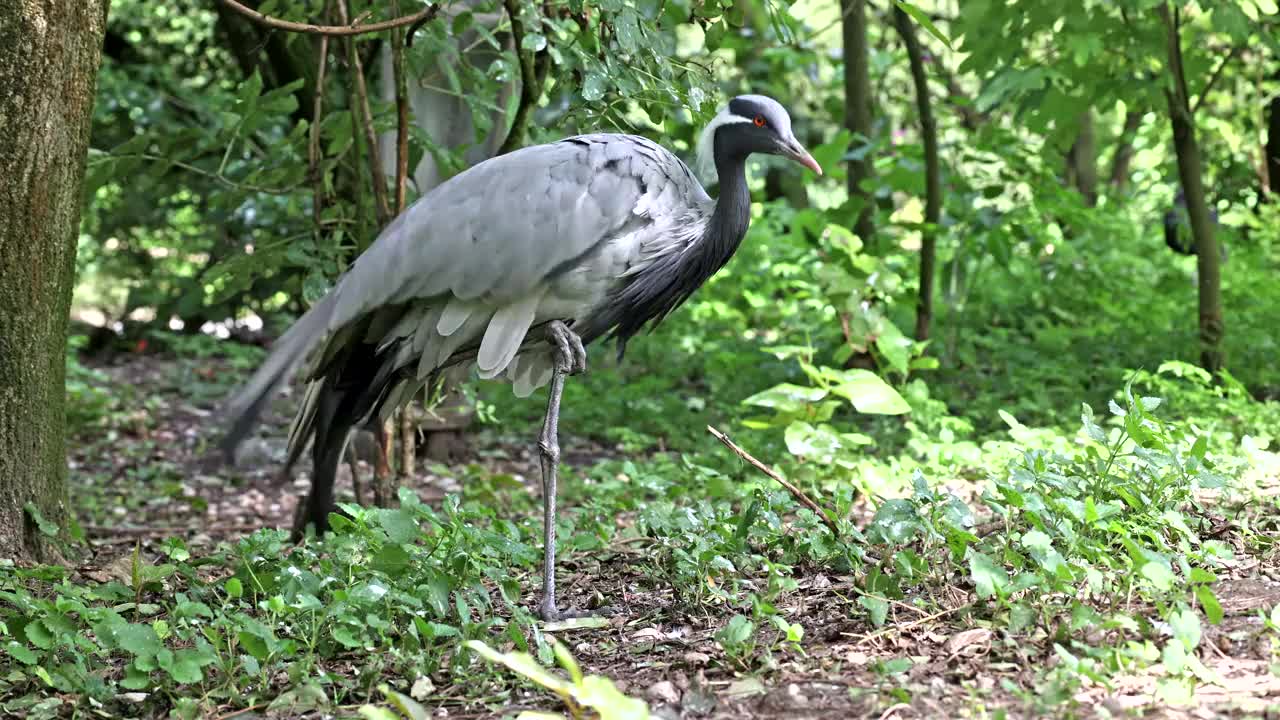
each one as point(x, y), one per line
point(1084, 159)
point(1123, 155)
point(857, 111)
point(49, 55)
point(932, 173)
point(1212, 326)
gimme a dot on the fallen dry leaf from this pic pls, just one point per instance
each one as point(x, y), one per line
point(971, 642)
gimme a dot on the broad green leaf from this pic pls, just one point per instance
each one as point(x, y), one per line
point(877, 608)
point(1209, 603)
point(594, 87)
point(346, 636)
point(20, 652)
point(736, 632)
point(786, 397)
point(1186, 628)
point(400, 525)
point(870, 394)
point(989, 578)
point(521, 663)
point(601, 695)
point(1159, 574)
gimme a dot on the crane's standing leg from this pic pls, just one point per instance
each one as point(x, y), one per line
point(570, 358)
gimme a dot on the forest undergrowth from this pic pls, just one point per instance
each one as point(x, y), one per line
point(1069, 521)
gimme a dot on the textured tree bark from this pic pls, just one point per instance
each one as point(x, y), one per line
point(49, 55)
point(1212, 326)
point(932, 173)
point(857, 110)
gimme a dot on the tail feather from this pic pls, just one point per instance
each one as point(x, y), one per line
point(244, 408)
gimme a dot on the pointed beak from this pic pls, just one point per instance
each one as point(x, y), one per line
point(796, 151)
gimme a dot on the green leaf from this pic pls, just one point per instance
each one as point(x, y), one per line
point(346, 636)
point(1159, 574)
point(594, 87)
point(786, 397)
point(869, 393)
point(46, 527)
point(601, 695)
point(877, 608)
point(234, 588)
point(400, 525)
point(820, 443)
point(20, 652)
point(989, 578)
point(1185, 624)
point(920, 17)
point(185, 667)
point(407, 706)
point(895, 347)
point(736, 632)
point(1209, 603)
point(39, 635)
point(140, 640)
point(534, 42)
point(523, 664)
point(895, 522)
point(135, 678)
point(256, 646)
point(566, 661)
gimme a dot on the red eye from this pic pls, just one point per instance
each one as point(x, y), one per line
point(759, 121)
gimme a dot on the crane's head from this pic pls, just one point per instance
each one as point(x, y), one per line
point(750, 124)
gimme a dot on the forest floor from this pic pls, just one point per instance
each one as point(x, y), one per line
point(944, 663)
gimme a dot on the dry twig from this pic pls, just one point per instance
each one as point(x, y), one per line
point(346, 30)
point(796, 492)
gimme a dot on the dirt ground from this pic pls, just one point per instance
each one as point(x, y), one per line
point(959, 668)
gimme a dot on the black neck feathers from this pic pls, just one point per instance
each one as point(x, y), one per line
point(670, 280)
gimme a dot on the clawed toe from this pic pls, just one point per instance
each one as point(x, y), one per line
point(550, 613)
point(571, 353)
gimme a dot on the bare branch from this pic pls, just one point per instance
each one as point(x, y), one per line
point(796, 492)
point(533, 71)
point(355, 28)
point(1213, 78)
point(313, 147)
point(356, 68)
point(402, 115)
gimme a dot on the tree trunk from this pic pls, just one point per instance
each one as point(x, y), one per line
point(1212, 327)
point(1123, 155)
point(447, 119)
point(932, 173)
point(49, 55)
point(857, 111)
point(1084, 160)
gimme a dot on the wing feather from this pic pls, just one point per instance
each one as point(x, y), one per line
point(504, 335)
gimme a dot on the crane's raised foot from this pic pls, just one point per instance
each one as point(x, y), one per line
point(569, 348)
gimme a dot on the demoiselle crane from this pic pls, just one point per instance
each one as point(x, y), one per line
point(513, 266)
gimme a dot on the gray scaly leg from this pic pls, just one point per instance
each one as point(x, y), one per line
point(570, 359)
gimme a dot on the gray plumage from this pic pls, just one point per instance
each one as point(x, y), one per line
point(601, 233)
